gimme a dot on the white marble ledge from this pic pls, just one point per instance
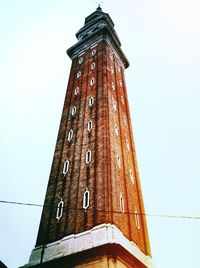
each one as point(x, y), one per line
point(99, 235)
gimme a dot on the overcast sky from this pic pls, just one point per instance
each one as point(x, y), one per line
point(161, 39)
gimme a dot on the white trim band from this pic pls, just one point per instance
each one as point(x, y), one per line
point(99, 235)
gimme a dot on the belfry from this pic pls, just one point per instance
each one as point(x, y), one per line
point(93, 214)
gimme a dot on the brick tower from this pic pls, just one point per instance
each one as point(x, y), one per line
point(93, 214)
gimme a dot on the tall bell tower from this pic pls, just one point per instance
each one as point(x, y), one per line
point(93, 213)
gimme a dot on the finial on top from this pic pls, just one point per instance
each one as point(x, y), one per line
point(99, 8)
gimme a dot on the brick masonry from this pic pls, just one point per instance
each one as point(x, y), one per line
point(112, 175)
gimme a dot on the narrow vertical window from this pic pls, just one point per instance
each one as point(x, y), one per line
point(78, 75)
point(124, 119)
point(137, 220)
point(116, 130)
point(70, 135)
point(119, 69)
point(93, 66)
point(86, 199)
point(121, 201)
point(131, 176)
point(92, 82)
point(94, 52)
point(114, 105)
point(120, 83)
point(91, 102)
point(88, 156)
point(118, 161)
point(89, 125)
point(76, 91)
point(59, 211)
point(66, 167)
point(112, 70)
point(113, 85)
point(80, 60)
point(127, 145)
point(73, 111)
point(111, 55)
point(122, 99)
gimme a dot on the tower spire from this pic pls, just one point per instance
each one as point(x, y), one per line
point(99, 8)
point(99, 5)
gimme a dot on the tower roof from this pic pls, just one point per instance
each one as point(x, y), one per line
point(99, 14)
point(97, 25)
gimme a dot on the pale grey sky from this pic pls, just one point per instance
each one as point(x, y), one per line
point(161, 40)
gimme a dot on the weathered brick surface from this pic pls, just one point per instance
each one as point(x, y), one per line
point(102, 176)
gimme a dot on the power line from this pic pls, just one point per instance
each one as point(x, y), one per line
point(110, 211)
point(20, 203)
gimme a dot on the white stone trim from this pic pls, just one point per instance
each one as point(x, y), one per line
point(70, 135)
point(114, 105)
point(121, 202)
point(93, 45)
point(127, 145)
point(94, 52)
point(82, 50)
point(76, 91)
point(66, 167)
point(92, 66)
point(92, 82)
point(118, 161)
point(88, 156)
point(80, 61)
point(59, 211)
point(81, 54)
point(113, 86)
point(78, 75)
point(91, 101)
point(132, 177)
point(99, 235)
point(86, 199)
point(137, 220)
point(89, 125)
point(73, 111)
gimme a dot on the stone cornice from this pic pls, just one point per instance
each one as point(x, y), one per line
point(100, 235)
point(102, 33)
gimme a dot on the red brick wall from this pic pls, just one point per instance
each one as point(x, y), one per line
point(103, 178)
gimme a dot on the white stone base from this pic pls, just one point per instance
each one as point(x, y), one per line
point(99, 235)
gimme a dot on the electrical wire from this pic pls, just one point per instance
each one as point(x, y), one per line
point(20, 203)
point(110, 211)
